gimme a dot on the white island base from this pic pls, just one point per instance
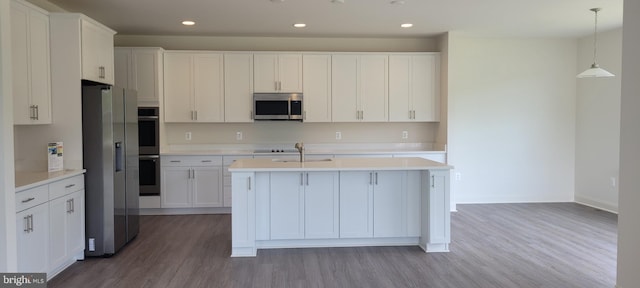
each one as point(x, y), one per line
point(342, 202)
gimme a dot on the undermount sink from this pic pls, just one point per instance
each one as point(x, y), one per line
point(306, 160)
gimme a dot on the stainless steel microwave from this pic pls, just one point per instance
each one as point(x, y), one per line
point(277, 106)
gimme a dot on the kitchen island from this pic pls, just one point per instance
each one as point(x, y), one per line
point(339, 202)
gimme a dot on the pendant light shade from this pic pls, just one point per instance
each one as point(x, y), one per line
point(595, 70)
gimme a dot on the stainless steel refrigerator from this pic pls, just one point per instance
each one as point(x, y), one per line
point(110, 155)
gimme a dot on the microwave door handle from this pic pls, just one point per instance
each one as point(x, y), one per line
point(289, 108)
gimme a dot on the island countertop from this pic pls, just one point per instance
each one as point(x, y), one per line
point(335, 164)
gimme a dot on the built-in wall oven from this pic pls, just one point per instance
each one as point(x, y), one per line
point(149, 143)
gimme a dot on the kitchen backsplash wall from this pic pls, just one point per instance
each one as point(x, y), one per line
point(290, 132)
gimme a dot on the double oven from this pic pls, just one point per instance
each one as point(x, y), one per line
point(149, 144)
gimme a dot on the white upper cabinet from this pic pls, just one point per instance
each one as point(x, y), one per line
point(97, 51)
point(359, 88)
point(238, 87)
point(31, 68)
point(140, 69)
point(194, 87)
point(414, 92)
point(277, 72)
point(316, 82)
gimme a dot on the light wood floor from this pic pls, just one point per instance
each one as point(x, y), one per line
point(558, 245)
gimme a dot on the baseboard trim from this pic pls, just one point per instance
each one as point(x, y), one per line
point(185, 211)
point(587, 201)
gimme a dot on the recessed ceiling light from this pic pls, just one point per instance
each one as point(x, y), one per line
point(299, 25)
point(337, 1)
point(277, 1)
point(397, 2)
point(406, 25)
point(188, 23)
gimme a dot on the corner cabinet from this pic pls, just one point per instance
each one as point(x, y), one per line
point(414, 94)
point(191, 181)
point(193, 87)
point(277, 72)
point(359, 86)
point(31, 67)
point(140, 69)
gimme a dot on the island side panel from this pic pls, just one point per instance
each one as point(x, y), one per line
point(436, 216)
point(243, 220)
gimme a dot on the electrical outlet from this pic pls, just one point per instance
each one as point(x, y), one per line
point(338, 135)
point(405, 134)
point(458, 176)
point(238, 135)
point(187, 136)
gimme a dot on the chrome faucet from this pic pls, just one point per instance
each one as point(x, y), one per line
point(300, 147)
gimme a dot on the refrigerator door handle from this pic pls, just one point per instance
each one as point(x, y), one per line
point(119, 157)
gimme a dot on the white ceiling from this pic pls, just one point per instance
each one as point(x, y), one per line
point(353, 18)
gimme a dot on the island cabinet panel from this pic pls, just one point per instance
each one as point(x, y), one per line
point(356, 204)
point(243, 209)
point(437, 222)
point(287, 205)
point(321, 209)
point(303, 205)
point(389, 199)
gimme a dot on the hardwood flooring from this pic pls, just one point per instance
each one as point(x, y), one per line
point(556, 245)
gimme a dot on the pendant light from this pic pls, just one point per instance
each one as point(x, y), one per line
point(595, 70)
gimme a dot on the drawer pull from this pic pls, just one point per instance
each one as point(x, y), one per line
point(206, 161)
point(175, 161)
point(69, 186)
point(28, 200)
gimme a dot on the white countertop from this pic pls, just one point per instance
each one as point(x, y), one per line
point(28, 180)
point(337, 164)
point(310, 149)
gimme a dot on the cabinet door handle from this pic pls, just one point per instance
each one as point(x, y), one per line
point(37, 112)
point(307, 179)
point(26, 223)
point(433, 181)
point(249, 183)
point(73, 205)
point(28, 200)
point(301, 182)
point(196, 113)
point(370, 178)
point(30, 222)
point(68, 206)
point(250, 114)
point(376, 178)
point(69, 186)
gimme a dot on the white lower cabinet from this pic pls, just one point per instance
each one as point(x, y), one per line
point(377, 204)
point(191, 181)
point(303, 205)
point(226, 179)
point(66, 222)
point(50, 226)
point(32, 230)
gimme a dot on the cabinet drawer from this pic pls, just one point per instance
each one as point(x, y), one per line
point(66, 186)
point(191, 160)
point(32, 197)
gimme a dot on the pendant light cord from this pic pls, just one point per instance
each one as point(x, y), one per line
point(595, 37)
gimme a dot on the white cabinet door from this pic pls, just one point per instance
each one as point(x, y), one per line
point(389, 201)
point(413, 203)
point(207, 186)
point(356, 204)
point(277, 72)
point(238, 87)
point(97, 52)
point(30, 64)
point(226, 161)
point(321, 207)
point(32, 230)
point(208, 86)
point(316, 80)
point(58, 210)
point(146, 75)
point(373, 86)
point(178, 89)
point(287, 205)
point(243, 222)
point(176, 187)
point(414, 88)
point(75, 223)
point(122, 68)
point(344, 88)
point(290, 72)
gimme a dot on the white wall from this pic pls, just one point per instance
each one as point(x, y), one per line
point(628, 228)
point(598, 123)
point(8, 257)
point(512, 119)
